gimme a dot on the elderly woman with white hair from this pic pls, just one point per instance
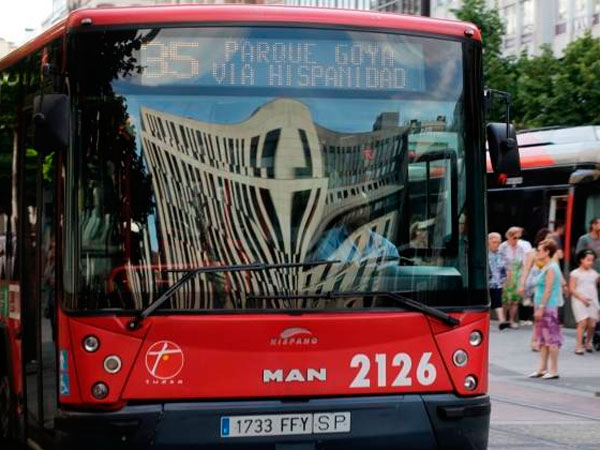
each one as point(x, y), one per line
point(514, 250)
point(496, 277)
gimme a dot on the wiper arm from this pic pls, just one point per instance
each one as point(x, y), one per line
point(397, 297)
point(192, 272)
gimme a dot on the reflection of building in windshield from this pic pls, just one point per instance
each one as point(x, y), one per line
point(266, 189)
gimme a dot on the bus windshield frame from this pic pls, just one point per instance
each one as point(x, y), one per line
point(434, 183)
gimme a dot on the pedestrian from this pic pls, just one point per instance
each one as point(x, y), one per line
point(591, 241)
point(559, 236)
point(514, 250)
point(530, 272)
point(583, 285)
point(546, 298)
point(496, 277)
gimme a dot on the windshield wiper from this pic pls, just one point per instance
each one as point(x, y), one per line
point(397, 297)
point(192, 272)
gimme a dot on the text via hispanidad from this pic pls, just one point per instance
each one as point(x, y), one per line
point(268, 63)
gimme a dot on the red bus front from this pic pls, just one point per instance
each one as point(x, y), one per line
point(320, 189)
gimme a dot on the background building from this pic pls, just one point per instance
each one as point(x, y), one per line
point(5, 47)
point(419, 7)
point(529, 23)
point(60, 8)
point(342, 4)
point(532, 23)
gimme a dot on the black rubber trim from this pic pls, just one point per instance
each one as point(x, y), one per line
point(460, 412)
point(231, 24)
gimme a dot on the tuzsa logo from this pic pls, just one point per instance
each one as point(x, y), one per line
point(164, 360)
point(293, 337)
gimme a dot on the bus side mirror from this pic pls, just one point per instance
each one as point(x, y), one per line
point(51, 122)
point(503, 148)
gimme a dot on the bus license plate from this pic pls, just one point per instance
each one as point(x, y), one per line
point(285, 424)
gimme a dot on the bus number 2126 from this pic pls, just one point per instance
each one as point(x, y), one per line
point(425, 372)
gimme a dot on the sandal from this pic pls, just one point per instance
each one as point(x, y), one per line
point(589, 349)
point(579, 351)
point(537, 374)
point(549, 376)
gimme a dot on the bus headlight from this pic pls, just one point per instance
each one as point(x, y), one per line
point(460, 358)
point(112, 364)
point(90, 343)
point(475, 338)
point(100, 390)
point(470, 382)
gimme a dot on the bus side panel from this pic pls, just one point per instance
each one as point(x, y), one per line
point(12, 327)
point(68, 387)
point(449, 341)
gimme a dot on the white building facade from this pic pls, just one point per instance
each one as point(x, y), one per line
point(529, 23)
point(342, 4)
point(5, 47)
point(533, 23)
point(60, 8)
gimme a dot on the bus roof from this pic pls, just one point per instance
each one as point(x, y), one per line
point(558, 146)
point(559, 135)
point(247, 14)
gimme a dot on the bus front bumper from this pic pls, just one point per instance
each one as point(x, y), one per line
point(437, 421)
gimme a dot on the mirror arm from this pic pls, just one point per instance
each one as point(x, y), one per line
point(506, 98)
point(507, 103)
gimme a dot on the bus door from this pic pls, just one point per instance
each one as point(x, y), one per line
point(37, 183)
point(557, 212)
point(584, 206)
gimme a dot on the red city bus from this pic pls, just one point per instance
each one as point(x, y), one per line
point(244, 227)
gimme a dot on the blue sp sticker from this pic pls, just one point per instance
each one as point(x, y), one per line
point(65, 384)
point(225, 426)
point(63, 360)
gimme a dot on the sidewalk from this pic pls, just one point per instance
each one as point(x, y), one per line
point(510, 354)
point(542, 414)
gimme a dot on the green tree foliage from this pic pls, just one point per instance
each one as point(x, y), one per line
point(533, 91)
point(546, 91)
point(576, 86)
point(497, 71)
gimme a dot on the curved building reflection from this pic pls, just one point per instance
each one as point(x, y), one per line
point(268, 189)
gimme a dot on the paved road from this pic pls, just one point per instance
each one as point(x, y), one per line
point(542, 414)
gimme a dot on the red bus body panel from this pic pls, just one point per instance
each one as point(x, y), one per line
point(10, 318)
point(226, 356)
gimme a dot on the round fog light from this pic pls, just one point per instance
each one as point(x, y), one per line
point(460, 358)
point(475, 338)
point(91, 343)
point(470, 382)
point(100, 390)
point(112, 364)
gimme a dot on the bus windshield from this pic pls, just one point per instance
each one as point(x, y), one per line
point(227, 146)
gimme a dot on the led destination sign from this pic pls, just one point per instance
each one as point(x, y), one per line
point(300, 63)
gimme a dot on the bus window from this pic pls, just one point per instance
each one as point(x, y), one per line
point(432, 191)
point(592, 208)
point(239, 161)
